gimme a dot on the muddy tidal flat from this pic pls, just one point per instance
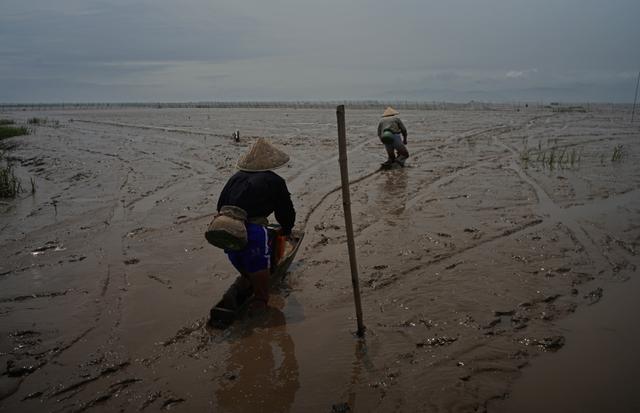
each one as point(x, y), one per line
point(502, 225)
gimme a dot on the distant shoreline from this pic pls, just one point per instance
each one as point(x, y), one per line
point(355, 104)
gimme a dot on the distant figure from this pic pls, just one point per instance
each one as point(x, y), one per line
point(237, 136)
point(389, 130)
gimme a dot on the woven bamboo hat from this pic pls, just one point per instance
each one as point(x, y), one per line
point(389, 111)
point(262, 156)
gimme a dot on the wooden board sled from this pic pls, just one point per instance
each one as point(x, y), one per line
point(234, 303)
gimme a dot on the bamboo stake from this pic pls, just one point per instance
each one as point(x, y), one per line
point(635, 99)
point(346, 205)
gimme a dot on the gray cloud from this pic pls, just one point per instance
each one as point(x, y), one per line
point(288, 49)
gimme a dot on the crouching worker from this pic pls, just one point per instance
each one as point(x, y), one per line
point(248, 198)
point(393, 135)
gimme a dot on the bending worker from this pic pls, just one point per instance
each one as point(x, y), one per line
point(390, 130)
point(258, 192)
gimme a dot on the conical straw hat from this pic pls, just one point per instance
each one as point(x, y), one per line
point(262, 156)
point(389, 111)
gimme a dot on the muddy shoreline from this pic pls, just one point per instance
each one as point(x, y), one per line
point(502, 225)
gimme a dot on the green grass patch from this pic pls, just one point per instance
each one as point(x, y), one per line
point(550, 157)
point(8, 131)
point(43, 121)
point(6, 122)
point(618, 153)
point(10, 185)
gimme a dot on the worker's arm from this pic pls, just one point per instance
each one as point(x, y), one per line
point(284, 212)
point(403, 130)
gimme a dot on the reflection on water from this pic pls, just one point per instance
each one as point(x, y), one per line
point(361, 359)
point(393, 193)
point(262, 371)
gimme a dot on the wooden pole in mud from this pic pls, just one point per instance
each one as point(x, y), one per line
point(635, 99)
point(346, 205)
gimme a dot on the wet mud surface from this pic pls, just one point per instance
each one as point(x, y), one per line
point(468, 257)
point(597, 371)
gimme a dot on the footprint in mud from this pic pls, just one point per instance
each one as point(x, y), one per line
point(136, 231)
point(171, 403)
point(594, 296)
point(163, 281)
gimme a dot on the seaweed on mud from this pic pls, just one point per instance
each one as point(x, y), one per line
point(378, 280)
point(436, 341)
point(151, 397)
point(552, 343)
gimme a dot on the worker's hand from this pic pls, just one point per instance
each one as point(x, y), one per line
point(404, 141)
point(285, 236)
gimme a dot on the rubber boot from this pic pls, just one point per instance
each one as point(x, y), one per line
point(237, 293)
point(403, 154)
point(391, 156)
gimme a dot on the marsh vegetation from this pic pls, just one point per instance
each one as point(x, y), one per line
point(552, 156)
point(9, 129)
point(9, 184)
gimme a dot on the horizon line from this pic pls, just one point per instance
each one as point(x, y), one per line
point(302, 103)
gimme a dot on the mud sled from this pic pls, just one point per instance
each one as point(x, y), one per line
point(235, 301)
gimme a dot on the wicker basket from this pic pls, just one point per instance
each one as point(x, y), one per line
point(227, 230)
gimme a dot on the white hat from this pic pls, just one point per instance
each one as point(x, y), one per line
point(262, 156)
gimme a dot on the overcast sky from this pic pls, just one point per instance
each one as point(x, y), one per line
point(212, 50)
